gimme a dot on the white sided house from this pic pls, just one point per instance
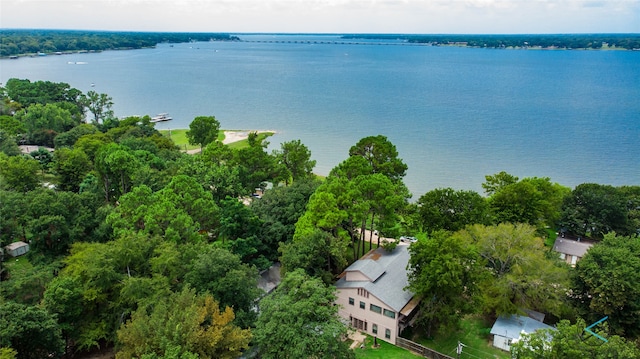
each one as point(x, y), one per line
point(372, 296)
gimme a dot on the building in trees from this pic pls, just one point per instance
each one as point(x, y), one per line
point(509, 329)
point(372, 293)
point(16, 249)
point(571, 250)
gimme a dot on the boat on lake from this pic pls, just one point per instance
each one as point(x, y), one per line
point(161, 117)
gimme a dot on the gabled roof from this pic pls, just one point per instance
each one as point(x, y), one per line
point(571, 247)
point(370, 268)
point(512, 326)
point(390, 272)
point(15, 245)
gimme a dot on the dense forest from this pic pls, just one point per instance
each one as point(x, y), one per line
point(24, 42)
point(558, 41)
point(155, 253)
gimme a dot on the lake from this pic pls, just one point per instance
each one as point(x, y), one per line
point(455, 114)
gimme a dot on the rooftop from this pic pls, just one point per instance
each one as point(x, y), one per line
point(388, 274)
point(512, 326)
point(571, 247)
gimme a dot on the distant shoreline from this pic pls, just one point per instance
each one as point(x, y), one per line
point(63, 40)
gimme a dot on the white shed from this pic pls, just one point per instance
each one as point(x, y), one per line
point(16, 249)
point(508, 329)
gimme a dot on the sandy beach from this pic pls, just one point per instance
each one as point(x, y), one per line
point(231, 136)
point(235, 136)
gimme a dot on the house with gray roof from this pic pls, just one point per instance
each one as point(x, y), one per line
point(509, 329)
point(372, 296)
point(16, 249)
point(571, 250)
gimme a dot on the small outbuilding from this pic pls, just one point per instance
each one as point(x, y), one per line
point(509, 329)
point(16, 249)
point(571, 250)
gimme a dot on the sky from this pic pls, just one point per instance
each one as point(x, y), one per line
point(328, 16)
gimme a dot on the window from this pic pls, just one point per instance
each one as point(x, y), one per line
point(374, 328)
point(375, 308)
point(363, 292)
point(389, 313)
point(387, 333)
point(351, 301)
point(362, 305)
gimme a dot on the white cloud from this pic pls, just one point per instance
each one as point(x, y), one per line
point(406, 16)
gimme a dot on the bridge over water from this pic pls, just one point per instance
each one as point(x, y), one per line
point(334, 42)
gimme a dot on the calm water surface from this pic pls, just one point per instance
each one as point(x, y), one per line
point(454, 114)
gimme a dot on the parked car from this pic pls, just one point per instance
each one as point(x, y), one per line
point(408, 239)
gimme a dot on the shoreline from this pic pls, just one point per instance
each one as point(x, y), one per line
point(231, 136)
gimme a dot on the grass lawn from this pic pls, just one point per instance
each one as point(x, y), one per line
point(474, 333)
point(17, 265)
point(245, 143)
point(179, 137)
point(384, 351)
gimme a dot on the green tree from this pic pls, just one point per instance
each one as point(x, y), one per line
point(279, 209)
point(521, 275)
point(19, 173)
point(536, 201)
point(11, 125)
point(607, 282)
point(72, 166)
point(445, 271)
point(8, 144)
point(218, 272)
point(314, 253)
point(63, 298)
point(99, 105)
point(451, 210)
point(46, 117)
point(91, 265)
point(31, 331)
point(593, 210)
point(222, 180)
point(255, 166)
point(296, 158)
point(90, 143)
point(381, 155)
point(25, 284)
point(184, 325)
point(28, 93)
point(570, 341)
point(203, 130)
point(299, 320)
point(494, 183)
point(632, 195)
point(8, 353)
point(117, 167)
point(69, 138)
point(328, 211)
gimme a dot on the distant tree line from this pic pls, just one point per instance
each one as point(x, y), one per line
point(562, 41)
point(21, 42)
